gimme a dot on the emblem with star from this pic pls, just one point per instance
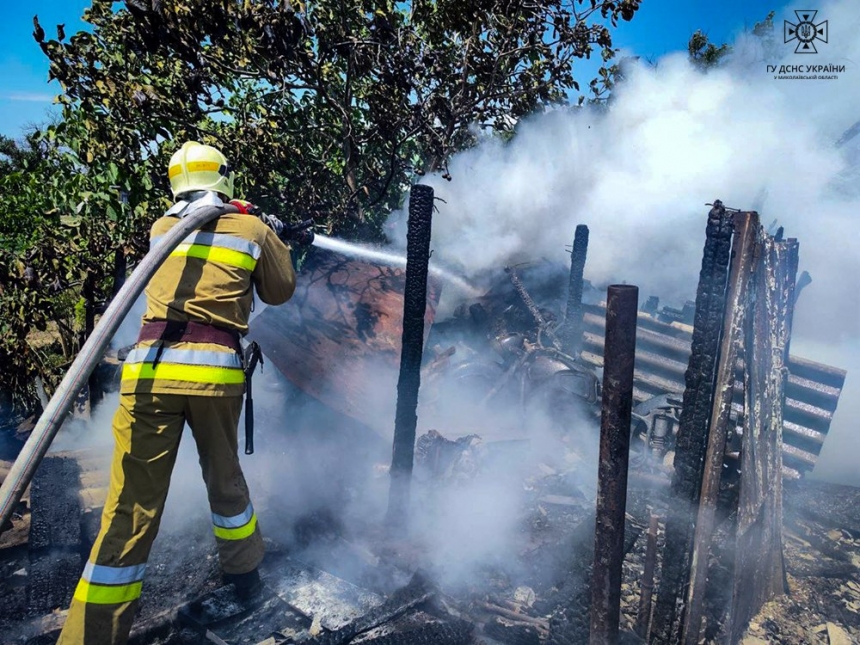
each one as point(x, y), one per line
point(805, 32)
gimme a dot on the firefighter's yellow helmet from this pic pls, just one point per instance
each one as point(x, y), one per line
point(198, 167)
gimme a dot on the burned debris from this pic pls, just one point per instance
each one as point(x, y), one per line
point(643, 461)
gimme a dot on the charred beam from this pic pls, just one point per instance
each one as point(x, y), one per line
point(622, 303)
point(759, 571)
point(742, 265)
point(572, 334)
point(643, 616)
point(55, 534)
point(414, 307)
point(693, 430)
point(785, 261)
point(530, 304)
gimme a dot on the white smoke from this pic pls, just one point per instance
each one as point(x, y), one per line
point(640, 174)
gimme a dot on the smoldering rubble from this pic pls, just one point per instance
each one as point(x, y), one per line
point(500, 543)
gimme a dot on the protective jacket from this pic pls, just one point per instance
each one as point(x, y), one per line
point(207, 279)
point(198, 306)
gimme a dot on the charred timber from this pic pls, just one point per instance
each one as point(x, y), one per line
point(55, 535)
point(417, 592)
point(622, 303)
point(643, 616)
point(572, 334)
point(759, 572)
point(530, 304)
point(693, 430)
point(455, 632)
point(786, 260)
point(414, 306)
point(737, 303)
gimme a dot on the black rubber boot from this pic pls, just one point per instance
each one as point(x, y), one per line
point(248, 585)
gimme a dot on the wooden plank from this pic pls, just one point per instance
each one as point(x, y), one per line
point(744, 251)
point(55, 534)
point(759, 573)
point(692, 438)
point(56, 510)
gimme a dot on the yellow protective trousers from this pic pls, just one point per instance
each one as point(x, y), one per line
point(147, 429)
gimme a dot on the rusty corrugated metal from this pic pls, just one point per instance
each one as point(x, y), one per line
point(662, 352)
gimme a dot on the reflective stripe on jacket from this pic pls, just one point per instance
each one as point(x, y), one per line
point(183, 368)
point(216, 247)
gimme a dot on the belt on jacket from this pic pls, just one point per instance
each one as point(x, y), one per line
point(190, 331)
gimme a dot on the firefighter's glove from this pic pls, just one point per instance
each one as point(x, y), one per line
point(273, 223)
point(299, 234)
point(303, 238)
point(247, 208)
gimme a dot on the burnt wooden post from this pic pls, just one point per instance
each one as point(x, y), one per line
point(55, 534)
point(412, 349)
point(643, 616)
point(572, 335)
point(524, 295)
point(693, 431)
point(622, 303)
point(746, 227)
point(759, 573)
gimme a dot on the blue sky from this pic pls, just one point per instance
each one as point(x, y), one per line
point(662, 26)
point(659, 27)
point(25, 94)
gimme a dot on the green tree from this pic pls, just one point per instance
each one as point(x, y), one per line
point(65, 235)
point(705, 55)
point(15, 156)
point(329, 107)
point(326, 104)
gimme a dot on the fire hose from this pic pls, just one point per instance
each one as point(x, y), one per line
point(58, 407)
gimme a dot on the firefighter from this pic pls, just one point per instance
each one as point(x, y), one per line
point(185, 368)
